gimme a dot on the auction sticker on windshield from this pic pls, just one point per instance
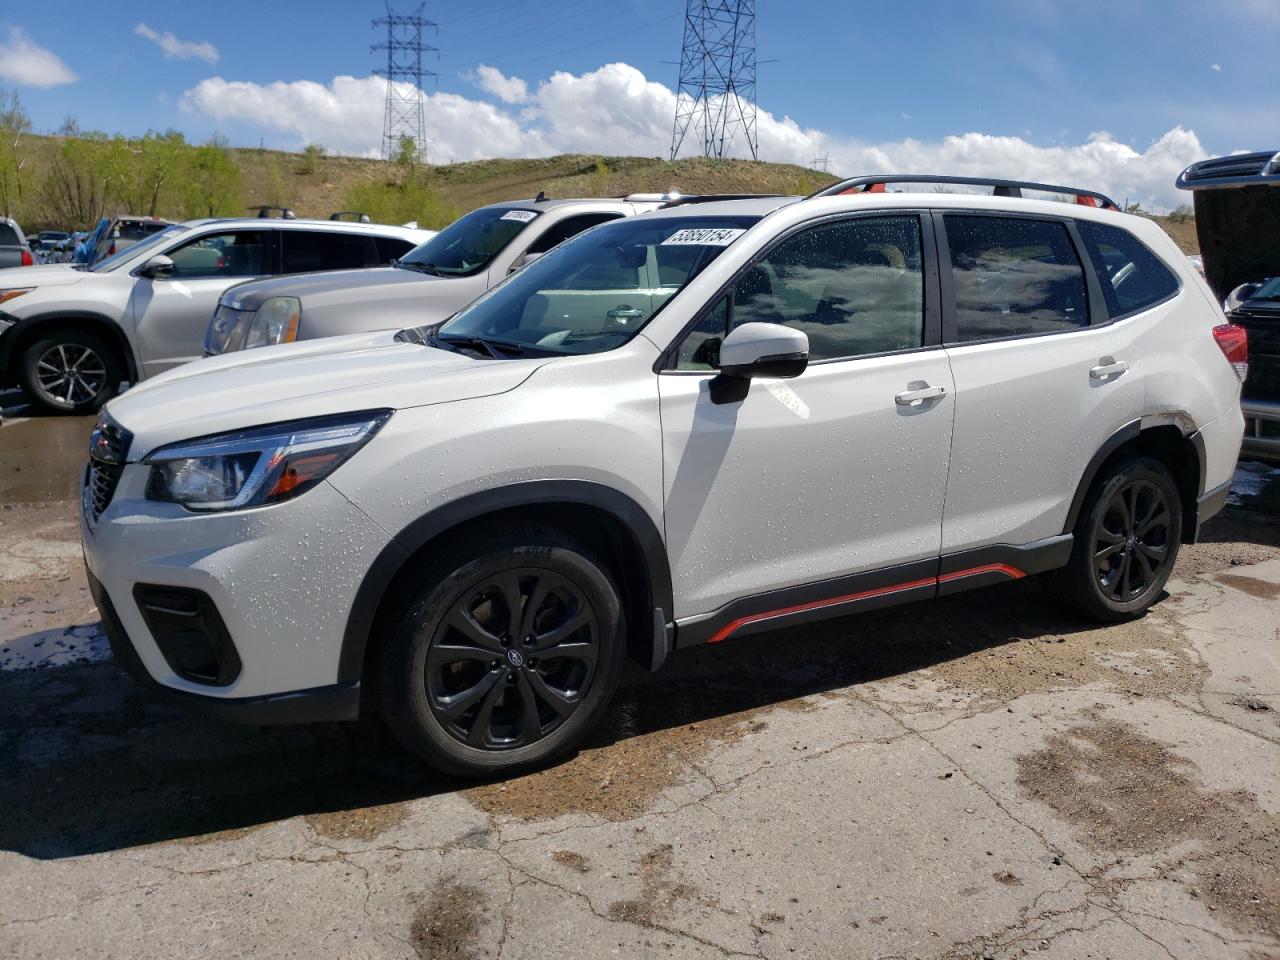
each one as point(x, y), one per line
point(704, 237)
point(524, 216)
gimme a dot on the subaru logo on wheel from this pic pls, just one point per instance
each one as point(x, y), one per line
point(515, 658)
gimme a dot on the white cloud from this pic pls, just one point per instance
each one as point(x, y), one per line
point(492, 81)
point(23, 62)
point(1215, 67)
point(617, 110)
point(175, 49)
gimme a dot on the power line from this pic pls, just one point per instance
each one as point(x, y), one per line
point(716, 94)
point(403, 117)
point(613, 36)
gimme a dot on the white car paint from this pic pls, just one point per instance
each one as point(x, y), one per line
point(825, 474)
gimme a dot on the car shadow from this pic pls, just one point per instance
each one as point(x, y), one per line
point(90, 761)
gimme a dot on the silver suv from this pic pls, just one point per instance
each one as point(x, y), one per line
point(437, 279)
point(69, 336)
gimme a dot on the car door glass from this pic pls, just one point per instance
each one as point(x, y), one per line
point(854, 288)
point(241, 253)
point(1132, 277)
point(1014, 277)
point(700, 349)
point(569, 227)
point(309, 250)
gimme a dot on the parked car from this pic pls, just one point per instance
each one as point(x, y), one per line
point(125, 231)
point(1237, 203)
point(14, 249)
point(86, 251)
point(701, 423)
point(69, 336)
point(429, 284)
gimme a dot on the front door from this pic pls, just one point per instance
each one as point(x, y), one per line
point(171, 315)
point(835, 472)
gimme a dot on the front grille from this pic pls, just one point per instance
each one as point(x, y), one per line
point(1240, 165)
point(108, 450)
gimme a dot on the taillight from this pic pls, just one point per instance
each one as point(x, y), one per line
point(1233, 340)
point(27, 259)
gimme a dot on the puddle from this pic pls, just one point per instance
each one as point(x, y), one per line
point(1252, 479)
point(1262, 589)
point(41, 458)
point(1126, 792)
point(448, 924)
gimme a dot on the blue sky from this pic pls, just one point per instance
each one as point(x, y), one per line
point(854, 78)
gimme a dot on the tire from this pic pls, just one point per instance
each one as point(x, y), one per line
point(472, 696)
point(1130, 526)
point(95, 368)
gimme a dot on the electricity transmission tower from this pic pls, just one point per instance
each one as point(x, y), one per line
point(404, 74)
point(822, 164)
point(716, 97)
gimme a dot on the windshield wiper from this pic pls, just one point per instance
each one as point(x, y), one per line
point(427, 268)
point(490, 347)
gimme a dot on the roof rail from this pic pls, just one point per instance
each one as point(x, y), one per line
point(1000, 188)
point(355, 215)
point(265, 211)
point(713, 197)
point(1241, 170)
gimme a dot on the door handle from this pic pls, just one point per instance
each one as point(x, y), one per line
point(1107, 369)
point(910, 398)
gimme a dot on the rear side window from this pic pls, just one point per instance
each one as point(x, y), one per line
point(1132, 277)
point(8, 236)
point(391, 248)
point(1014, 277)
point(569, 227)
point(308, 250)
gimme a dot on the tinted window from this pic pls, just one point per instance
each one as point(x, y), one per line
point(239, 254)
point(1132, 277)
point(1014, 277)
point(8, 235)
point(391, 248)
point(854, 288)
point(568, 227)
point(306, 250)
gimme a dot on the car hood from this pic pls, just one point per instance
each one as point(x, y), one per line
point(1239, 233)
point(43, 275)
point(308, 286)
point(308, 379)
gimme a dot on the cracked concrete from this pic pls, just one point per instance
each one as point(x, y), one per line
point(975, 777)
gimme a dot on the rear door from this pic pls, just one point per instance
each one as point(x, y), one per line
point(1042, 379)
point(171, 316)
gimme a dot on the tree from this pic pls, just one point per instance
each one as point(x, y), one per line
point(14, 122)
point(214, 186)
point(81, 178)
point(311, 158)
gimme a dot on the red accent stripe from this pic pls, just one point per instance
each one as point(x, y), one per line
point(730, 628)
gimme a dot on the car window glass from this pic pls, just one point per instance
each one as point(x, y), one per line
point(595, 291)
point(569, 227)
point(391, 248)
point(1014, 277)
point(467, 245)
point(241, 253)
point(1132, 277)
point(308, 250)
point(8, 235)
point(854, 288)
point(700, 349)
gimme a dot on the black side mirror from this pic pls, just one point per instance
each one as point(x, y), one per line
point(158, 267)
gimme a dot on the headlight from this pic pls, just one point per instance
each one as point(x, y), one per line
point(252, 468)
point(275, 322)
point(6, 295)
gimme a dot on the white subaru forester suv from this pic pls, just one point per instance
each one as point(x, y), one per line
point(699, 423)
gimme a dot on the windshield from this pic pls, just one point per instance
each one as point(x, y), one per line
point(467, 245)
point(1270, 290)
point(596, 291)
point(128, 253)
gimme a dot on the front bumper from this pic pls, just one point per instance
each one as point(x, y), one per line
point(1261, 428)
point(282, 579)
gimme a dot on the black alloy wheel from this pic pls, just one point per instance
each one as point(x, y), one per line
point(1131, 540)
point(512, 659)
